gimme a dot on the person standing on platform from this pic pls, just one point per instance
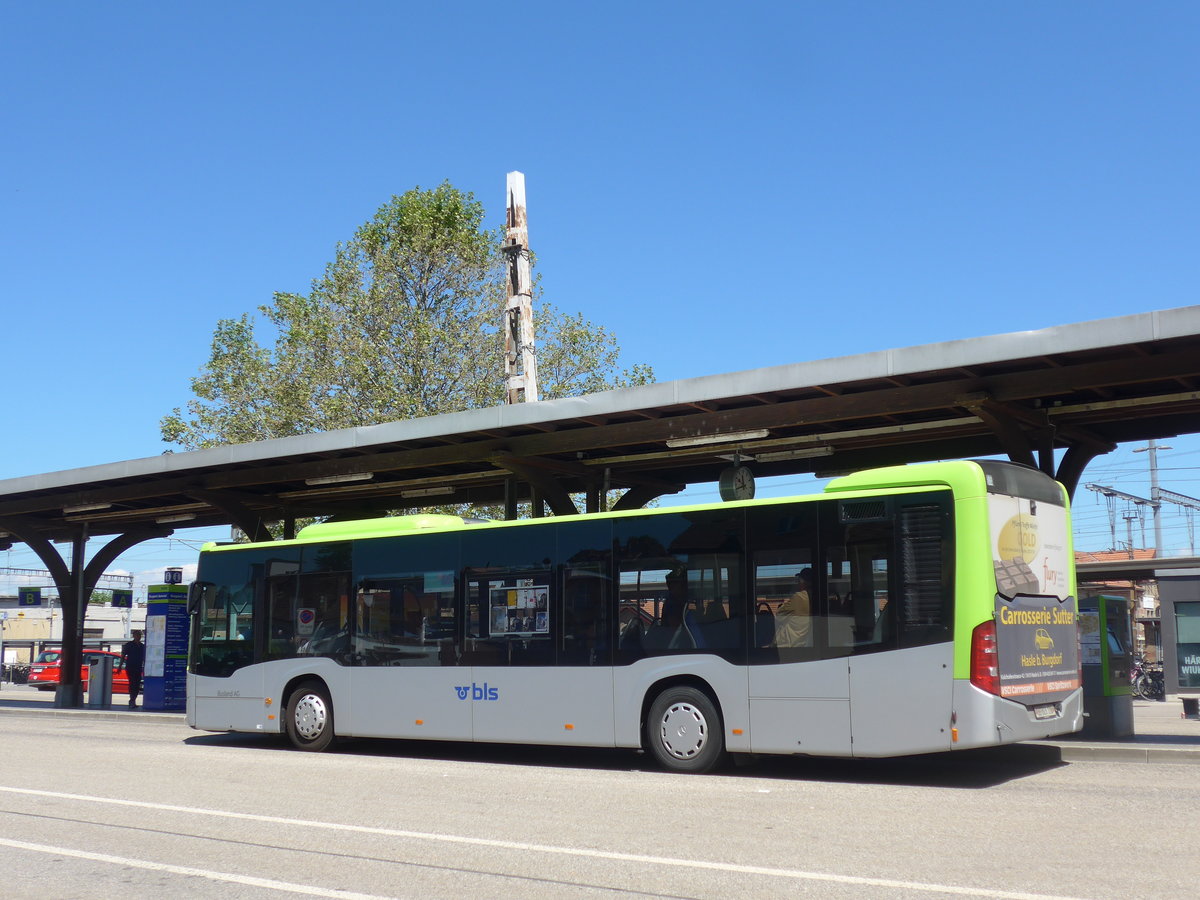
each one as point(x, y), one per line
point(133, 658)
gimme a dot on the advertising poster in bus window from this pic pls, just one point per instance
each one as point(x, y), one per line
point(1037, 648)
point(521, 611)
point(1029, 546)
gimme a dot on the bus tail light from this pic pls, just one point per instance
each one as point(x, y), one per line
point(985, 672)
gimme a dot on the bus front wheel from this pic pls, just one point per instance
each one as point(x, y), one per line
point(684, 731)
point(310, 717)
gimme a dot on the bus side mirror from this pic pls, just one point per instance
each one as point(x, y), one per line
point(196, 596)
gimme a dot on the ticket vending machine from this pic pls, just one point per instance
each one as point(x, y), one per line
point(1106, 649)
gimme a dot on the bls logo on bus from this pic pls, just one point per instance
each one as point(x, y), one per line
point(477, 692)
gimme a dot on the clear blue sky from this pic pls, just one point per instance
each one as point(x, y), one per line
point(723, 186)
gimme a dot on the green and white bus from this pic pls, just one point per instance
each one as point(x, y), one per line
point(903, 610)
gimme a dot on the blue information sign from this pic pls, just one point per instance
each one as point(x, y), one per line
point(28, 596)
point(166, 647)
point(122, 599)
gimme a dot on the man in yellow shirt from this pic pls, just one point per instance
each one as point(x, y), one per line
point(793, 619)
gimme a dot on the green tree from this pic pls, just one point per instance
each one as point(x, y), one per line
point(403, 323)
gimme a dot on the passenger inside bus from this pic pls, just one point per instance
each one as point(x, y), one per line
point(793, 619)
point(631, 627)
point(670, 632)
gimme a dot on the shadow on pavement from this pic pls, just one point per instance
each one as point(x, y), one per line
point(966, 769)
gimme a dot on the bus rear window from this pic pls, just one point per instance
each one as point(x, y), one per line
point(1018, 481)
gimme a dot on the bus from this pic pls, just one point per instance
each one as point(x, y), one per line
point(903, 610)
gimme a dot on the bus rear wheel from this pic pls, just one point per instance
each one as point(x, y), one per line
point(684, 731)
point(310, 717)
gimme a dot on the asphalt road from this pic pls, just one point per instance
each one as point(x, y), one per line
point(101, 808)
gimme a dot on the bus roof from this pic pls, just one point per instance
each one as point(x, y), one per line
point(964, 477)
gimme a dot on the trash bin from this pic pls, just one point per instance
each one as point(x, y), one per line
point(100, 683)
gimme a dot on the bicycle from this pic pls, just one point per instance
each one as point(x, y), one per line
point(1150, 684)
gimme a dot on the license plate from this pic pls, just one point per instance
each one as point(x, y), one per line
point(1049, 711)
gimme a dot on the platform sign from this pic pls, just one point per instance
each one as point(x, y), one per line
point(28, 596)
point(166, 647)
point(122, 599)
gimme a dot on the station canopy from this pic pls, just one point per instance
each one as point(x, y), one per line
point(1053, 398)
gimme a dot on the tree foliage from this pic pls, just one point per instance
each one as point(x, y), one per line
point(403, 323)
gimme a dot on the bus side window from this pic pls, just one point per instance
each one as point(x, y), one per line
point(585, 638)
point(282, 641)
point(784, 594)
point(406, 620)
point(926, 548)
point(325, 596)
point(839, 610)
point(861, 617)
point(786, 590)
point(485, 632)
point(680, 585)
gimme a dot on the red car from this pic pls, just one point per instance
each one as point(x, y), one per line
point(44, 673)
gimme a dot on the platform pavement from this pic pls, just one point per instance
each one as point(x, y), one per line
point(21, 699)
point(1161, 735)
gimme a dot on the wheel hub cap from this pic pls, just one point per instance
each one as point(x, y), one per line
point(310, 717)
point(684, 731)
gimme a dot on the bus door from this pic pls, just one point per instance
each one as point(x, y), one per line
point(537, 647)
point(887, 585)
point(406, 677)
point(226, 689)
point(799, 691)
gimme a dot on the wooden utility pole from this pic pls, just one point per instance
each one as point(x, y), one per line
point(520, 360)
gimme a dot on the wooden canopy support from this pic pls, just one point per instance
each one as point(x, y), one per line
point(1024, 431)
point(238, 512)
point(1011, 430)
point(541, 474)
point(639, 495)
point(23, 530)
point(1085, 446)
point(538, 474)
point(1074, 461)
